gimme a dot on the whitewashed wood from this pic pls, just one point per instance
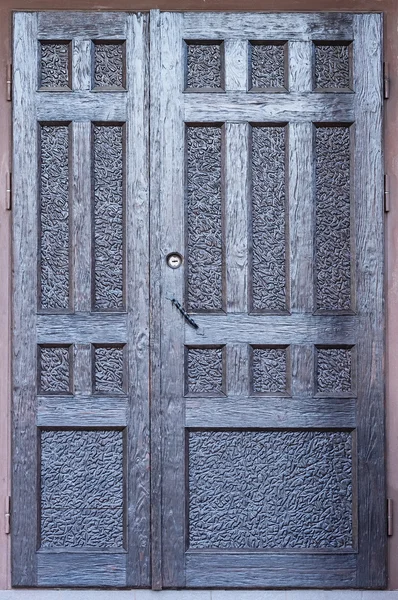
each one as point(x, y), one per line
point(273, 329)
point(155, 303)
point(172, 281)
point(63, 25)
point(25, 190)
point(83, 105)
point(81, 64)
point(236, 65)
point(244, 411)
point(256, 107)
point(82, 372)
point(236, 215)
point(137, 285)
point(81, 329)
point(300, 66)
point(82, 411)
point(368, 196)
point(236, 370)
point(81, 223)
point(301, 196)
point(271, 26)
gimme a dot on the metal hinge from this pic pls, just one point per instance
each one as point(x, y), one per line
point(9, 82)
point(390, 517)
point(386, 193)
point(9, 191)
point(386, 81)
point(7, 515)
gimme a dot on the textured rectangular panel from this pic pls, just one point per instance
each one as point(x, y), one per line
point(268, 219)
point(55, 65)
point(108, 170)
point(280, 489)
point(333, 219)
point(205, 371)
point(55, 369)
point(109, 65)
point(267, 65)
point(332, 66)
point(109, 369)
point(204, 66)
point(82, 489)
point(54, 217)
point(269, 371)
point(334, 370)
point(204, 219)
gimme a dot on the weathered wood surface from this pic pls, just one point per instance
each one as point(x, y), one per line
point(84, 411)
point(81, 105)
point(82, 328)
point(64, 25)
point(81, 569)
point(24, 435)
point(372, 558)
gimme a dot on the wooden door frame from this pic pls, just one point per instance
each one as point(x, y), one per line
point(390, 9)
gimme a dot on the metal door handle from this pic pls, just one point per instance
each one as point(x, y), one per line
point(184, 313)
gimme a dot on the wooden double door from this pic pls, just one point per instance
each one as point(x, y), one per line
point(198, 300)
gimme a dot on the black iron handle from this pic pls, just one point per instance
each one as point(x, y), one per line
point(184, 313)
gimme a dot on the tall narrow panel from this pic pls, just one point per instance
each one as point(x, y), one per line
point(268, 219)
point(109, 369)
point(82, 489)
point(204, 66)
point(269, 371)
point(270, 489)
point(333, 219)
point(54, 217)
point(334, 370)
point(108, 218)
point(204, 219)
point(55, 65)
point(205, 371)
point(55, 369)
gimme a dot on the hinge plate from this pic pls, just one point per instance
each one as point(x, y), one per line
point(386, 193)
point(7, 515)
point(8, 191)
point(9, 82)
point(386, 81)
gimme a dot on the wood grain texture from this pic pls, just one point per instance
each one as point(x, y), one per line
point(236, 65)
point(271, 26)
point(155, 304)
point(24, 482)
point(88, 569)
point(241, 412)
point(256, 107)
point(172, 324)
point(83, 411)
point(236, 215)
point(82, 329)
point(209, 569)
point(68, 24)
point(368, 195)
point(81, 64)
point(71, 106)
point(275, 329)
point(137, 241)
point(300, 66)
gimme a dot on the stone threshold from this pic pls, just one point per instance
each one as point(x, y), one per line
point(56, 594)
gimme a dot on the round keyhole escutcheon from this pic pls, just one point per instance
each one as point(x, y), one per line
point(174, 260)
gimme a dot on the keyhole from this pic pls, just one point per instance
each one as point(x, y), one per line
point(174, 260)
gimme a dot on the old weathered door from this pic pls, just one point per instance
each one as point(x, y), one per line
point(80, 332)
point(269, 179)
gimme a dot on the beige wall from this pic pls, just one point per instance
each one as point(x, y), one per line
point(390, 8)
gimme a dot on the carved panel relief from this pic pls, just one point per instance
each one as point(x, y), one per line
point(108, 217)
point(267, 65)
point(332, 66)
point(109, 369)
point(55, 367)
point(109, 65)
point(270, 489)
point(334, 370)
point(55, 65)
point(204, 66)
point(269, 371)
point(268, 219)
point(205, 371)
point(54, 217)
point(204, 219)
point(82, 489)
point(333, 219)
